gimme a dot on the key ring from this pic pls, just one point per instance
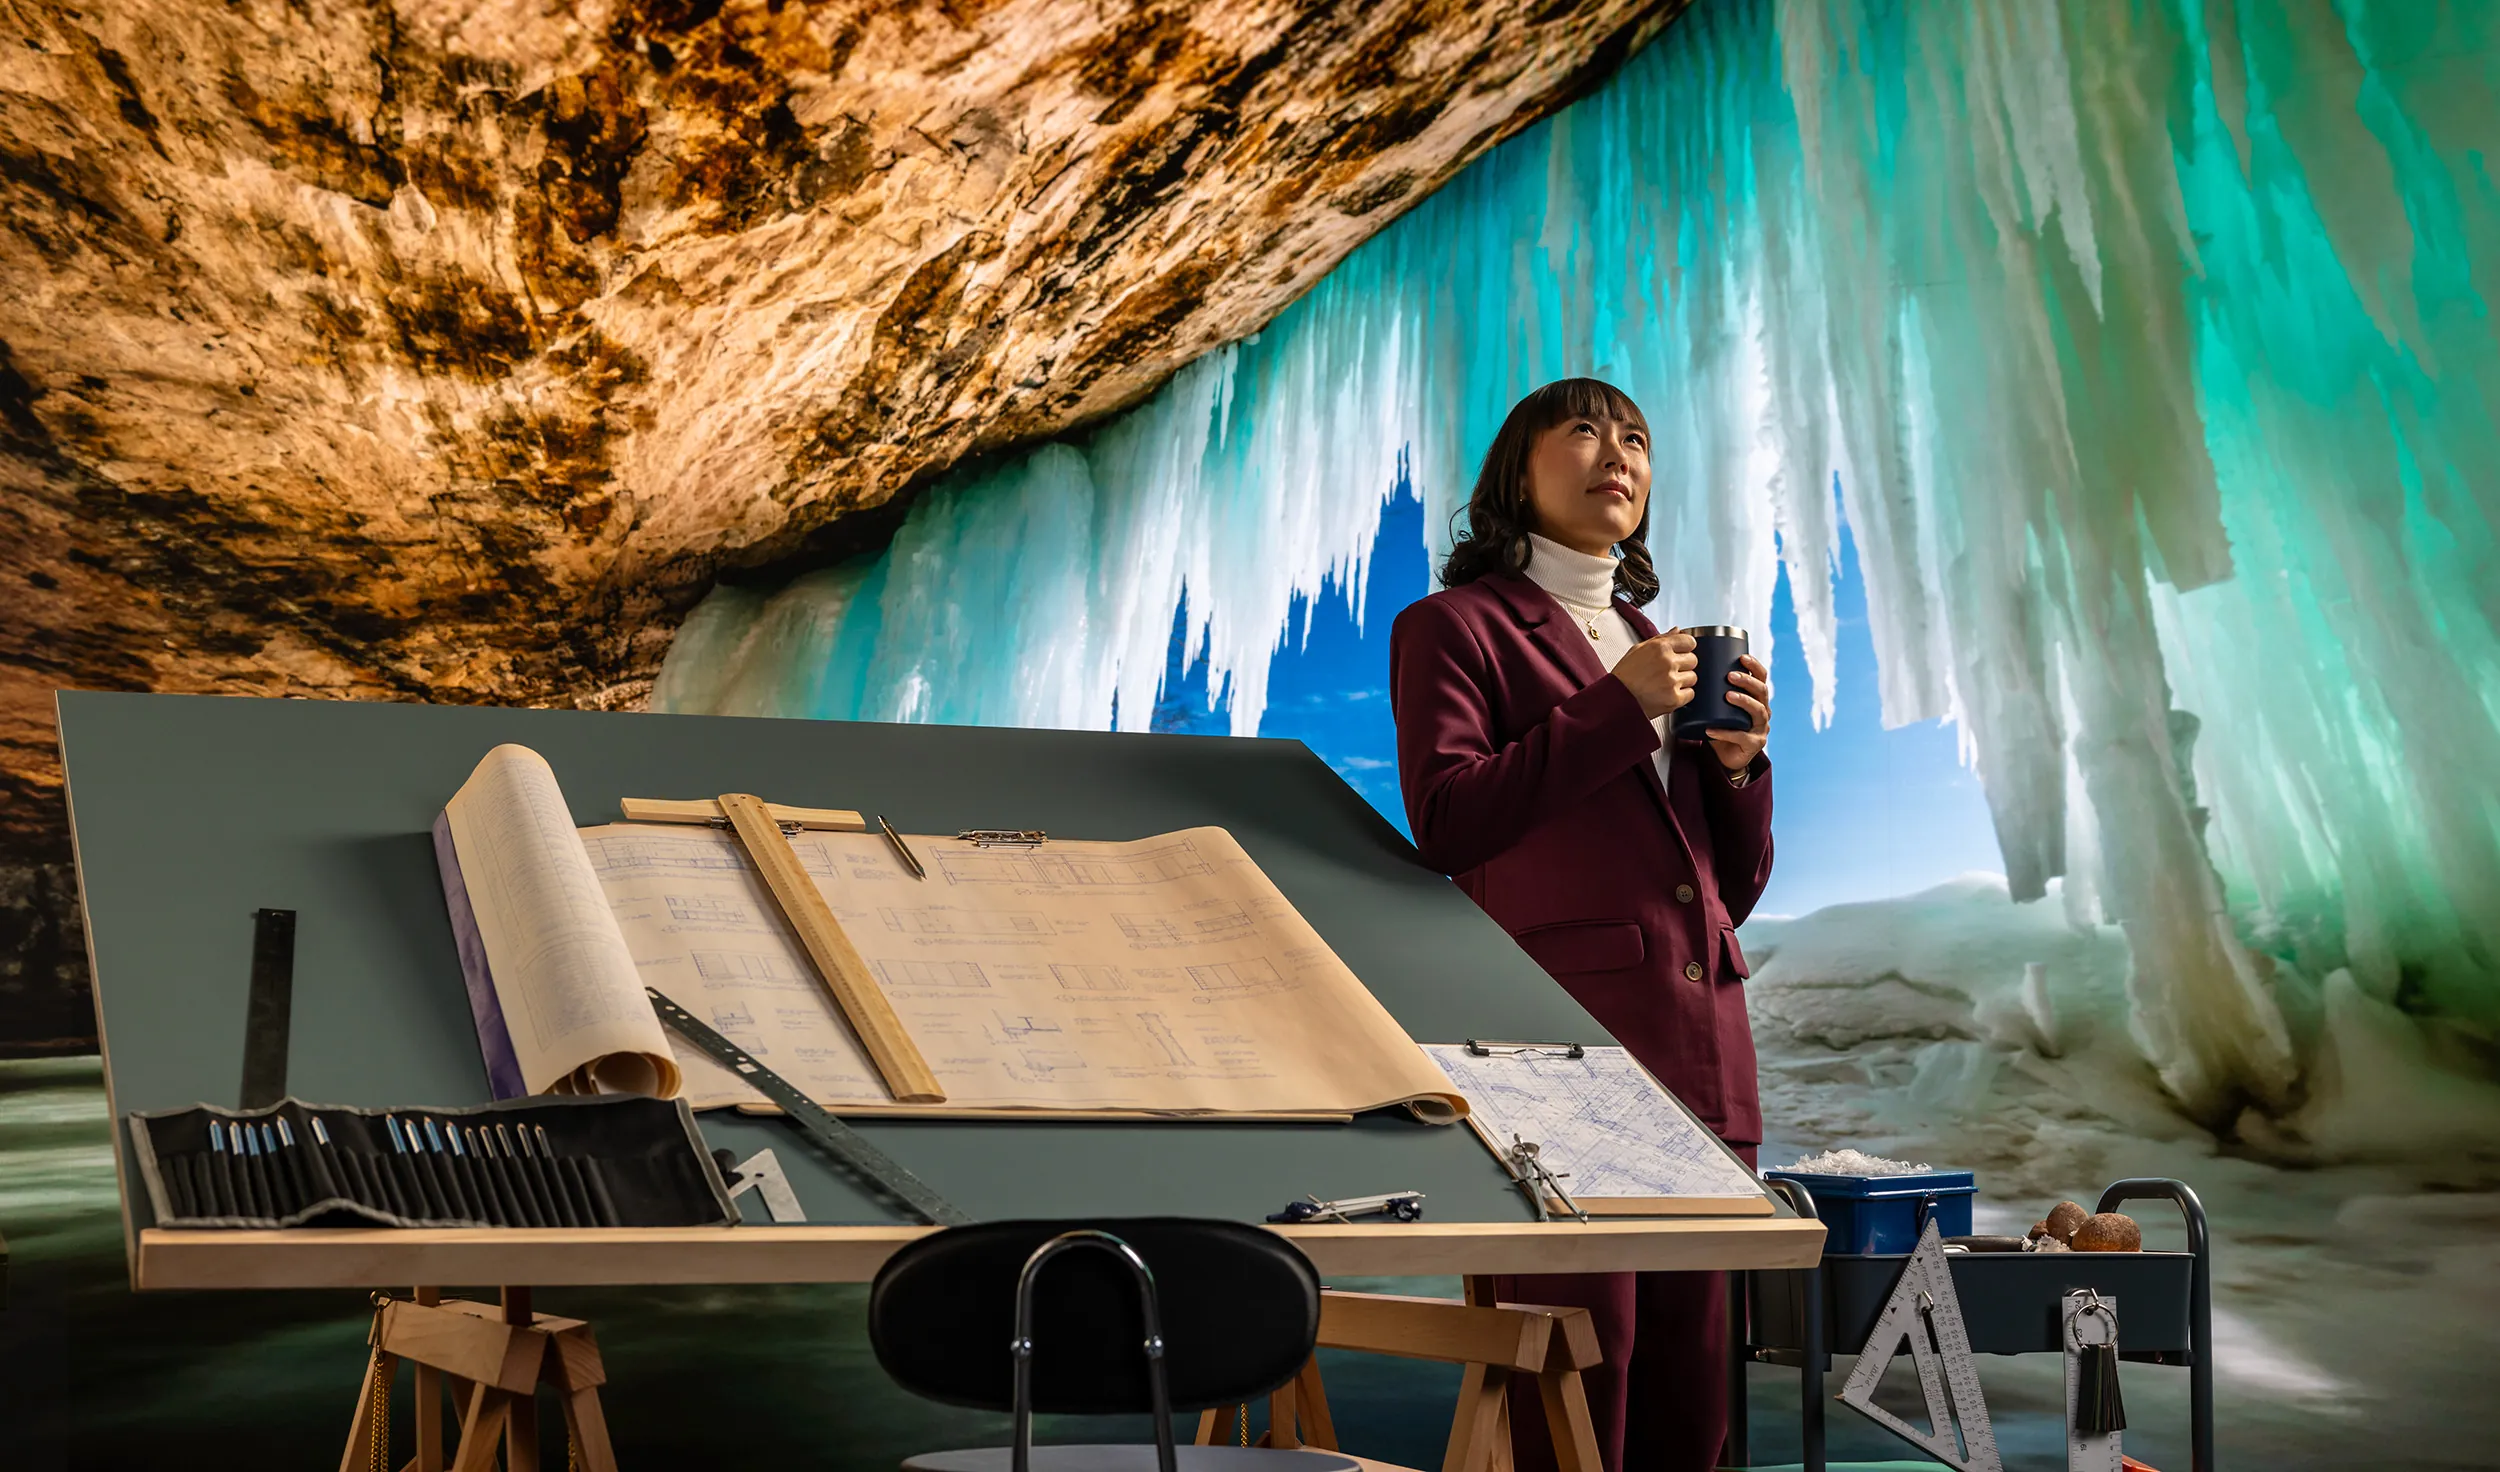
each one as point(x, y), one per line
point(2092, 1304)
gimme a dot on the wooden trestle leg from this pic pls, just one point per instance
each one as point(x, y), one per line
point(491, 1358)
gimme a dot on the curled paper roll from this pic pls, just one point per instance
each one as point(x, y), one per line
point(562, 984)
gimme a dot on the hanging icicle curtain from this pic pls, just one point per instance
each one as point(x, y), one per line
point(2148, 345)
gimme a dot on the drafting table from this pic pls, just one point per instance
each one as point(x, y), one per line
point(191, 812)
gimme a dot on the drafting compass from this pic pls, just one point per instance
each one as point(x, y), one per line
point(1404, 1206)
point(1526, 1163)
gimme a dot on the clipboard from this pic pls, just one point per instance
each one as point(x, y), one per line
point(1621, 1143)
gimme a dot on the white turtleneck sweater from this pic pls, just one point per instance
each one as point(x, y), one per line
point(1585, 587)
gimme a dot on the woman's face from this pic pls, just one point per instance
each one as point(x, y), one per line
point(1588, 482)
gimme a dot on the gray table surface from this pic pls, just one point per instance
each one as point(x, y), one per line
point(190, 812)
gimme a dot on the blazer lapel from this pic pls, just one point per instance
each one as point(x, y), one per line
point(1562, 640)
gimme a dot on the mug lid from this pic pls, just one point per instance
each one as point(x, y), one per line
point(1716, 631)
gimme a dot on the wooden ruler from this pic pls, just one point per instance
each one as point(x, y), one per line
point(845, 973)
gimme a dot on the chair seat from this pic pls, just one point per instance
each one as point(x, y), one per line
point(1124, 1458)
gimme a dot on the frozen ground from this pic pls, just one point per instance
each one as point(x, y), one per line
point(2357, 1245)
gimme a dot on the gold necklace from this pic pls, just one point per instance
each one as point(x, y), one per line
point(1588, 621)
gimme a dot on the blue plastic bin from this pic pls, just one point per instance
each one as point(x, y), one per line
point(1883, 1214)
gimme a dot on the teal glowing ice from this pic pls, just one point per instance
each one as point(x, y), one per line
point(2150, 343)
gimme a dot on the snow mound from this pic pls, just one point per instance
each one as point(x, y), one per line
point(1855, 1163)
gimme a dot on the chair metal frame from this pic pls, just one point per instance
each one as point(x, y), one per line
point(1022, 1345)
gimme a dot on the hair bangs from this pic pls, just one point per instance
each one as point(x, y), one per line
point(1566, 399)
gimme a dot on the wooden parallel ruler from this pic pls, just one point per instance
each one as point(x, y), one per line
point(844, 971)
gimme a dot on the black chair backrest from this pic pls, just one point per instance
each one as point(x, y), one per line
point(1240, 1314)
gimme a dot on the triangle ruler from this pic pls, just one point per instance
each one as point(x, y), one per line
point(1924, 1311)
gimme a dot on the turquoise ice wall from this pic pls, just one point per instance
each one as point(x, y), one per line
point(2149, 344)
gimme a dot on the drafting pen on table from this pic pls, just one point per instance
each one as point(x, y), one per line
point(902, 850)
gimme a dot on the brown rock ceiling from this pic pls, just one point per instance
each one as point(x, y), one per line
point(428, 349)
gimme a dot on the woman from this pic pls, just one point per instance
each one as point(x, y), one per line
point(1531, 699)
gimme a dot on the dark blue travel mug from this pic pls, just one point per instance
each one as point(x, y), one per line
point(1716, 648)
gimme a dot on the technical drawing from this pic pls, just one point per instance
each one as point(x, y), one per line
point(954, 975)
point(1036, 1065)
point(641, 853)
point(1159, 1032)
point(1089, 978)
point(1239, 978)
point(1599, 1116)
point(708, 909)
point(740, 966)
point(965, 922)
point(1207, 920)
point(729, 1015)
point(1019, 1026)
point(1153, 866)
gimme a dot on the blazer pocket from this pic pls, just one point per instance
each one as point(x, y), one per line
point(1584, 945)
point(1732, 953)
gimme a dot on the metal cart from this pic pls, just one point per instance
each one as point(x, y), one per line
point(2010, 1304)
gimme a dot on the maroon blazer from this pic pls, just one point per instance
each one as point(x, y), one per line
point(1527, 773)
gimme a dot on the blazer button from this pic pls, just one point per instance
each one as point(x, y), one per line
point(1692, 971)
point(1683, 894)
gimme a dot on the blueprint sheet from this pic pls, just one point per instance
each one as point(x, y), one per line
point(1630, 1148)
point(1163, 974)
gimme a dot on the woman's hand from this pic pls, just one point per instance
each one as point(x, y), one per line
point(1659, 672)
point(1749, 690)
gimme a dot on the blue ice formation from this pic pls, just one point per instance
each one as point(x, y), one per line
point(2150, 343)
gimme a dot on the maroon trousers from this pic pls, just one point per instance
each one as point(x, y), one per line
point(1660, 1397)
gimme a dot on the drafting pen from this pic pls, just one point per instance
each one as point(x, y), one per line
point(264, 1185)
point(397, 1177)
point(337, 1162)
point(220, 1173)
point(281, 1171)
point(570, 1173)
point(902, 850)
point(473, 1172)
point(455, 1182)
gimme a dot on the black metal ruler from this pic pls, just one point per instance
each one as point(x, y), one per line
point(874, 1168)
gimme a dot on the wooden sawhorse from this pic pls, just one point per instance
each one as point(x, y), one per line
point(1497, 1342)
point(491, 1358)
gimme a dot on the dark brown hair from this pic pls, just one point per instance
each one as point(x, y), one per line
point(1499, 517)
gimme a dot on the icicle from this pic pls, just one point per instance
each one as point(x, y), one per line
point(2149, 346)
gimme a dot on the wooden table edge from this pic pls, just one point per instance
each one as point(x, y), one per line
point(323, 1257)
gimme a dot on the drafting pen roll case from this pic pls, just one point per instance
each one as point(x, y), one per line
point(612, 1161)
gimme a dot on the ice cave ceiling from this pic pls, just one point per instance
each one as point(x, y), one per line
point(446, 350)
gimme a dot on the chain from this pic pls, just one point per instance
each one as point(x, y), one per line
point(1241, 1423)
point(378, 1423)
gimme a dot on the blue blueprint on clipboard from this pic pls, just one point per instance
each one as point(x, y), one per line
point(1630, 1148)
